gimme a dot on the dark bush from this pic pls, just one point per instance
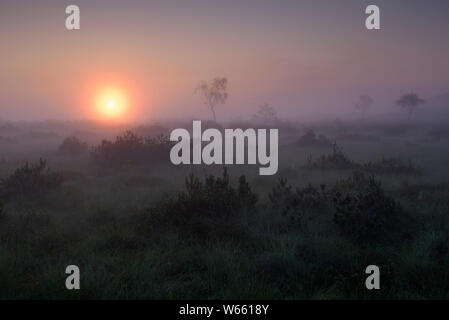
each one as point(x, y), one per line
point(295, 204)
point(424, 193)
point(203, 206)
point(310, 139)
point(337, 160)
point(130, 149)
point(29, 180)
point(73, 146)
point(364, 212)
point(439, 250)
point(26, 229)
point(391, 166)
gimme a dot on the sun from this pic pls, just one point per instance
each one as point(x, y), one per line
point(112, 103)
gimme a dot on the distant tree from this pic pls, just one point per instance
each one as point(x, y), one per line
point(213, 93)
point(410, 102)
point(363, 104)
point(266, 114)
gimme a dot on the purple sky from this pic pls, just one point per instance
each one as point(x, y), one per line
point(303, 57)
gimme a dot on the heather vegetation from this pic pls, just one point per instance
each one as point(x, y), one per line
point(139, 227)
point(310, 139)
point(72, 146)
point(338, 160)
point(132, 149)
point(29, 180)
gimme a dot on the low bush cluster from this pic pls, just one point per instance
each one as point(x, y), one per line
point(364, 212)
point(424, 193)
point(361, 209)
point(130, 149)
point(391, 166)
point(205, 205)
point(359, 206)
point(30, 180)
point(73, 146)
point(338, 160)
point(310, 139)
point(295, 204)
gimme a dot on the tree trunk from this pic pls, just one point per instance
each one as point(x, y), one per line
point(213, 113)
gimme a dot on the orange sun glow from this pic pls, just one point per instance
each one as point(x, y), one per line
point(112, 103)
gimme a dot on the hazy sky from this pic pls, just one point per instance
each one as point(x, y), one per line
point(303, 57)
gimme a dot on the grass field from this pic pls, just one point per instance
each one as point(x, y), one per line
point(137, 231)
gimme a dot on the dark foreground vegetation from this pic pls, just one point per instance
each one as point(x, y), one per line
point(338, 160)
point(217, 238)
point(141, 228)
point(132, 149)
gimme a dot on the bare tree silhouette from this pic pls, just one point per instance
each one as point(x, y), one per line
point(410, 102)
point(213, 93)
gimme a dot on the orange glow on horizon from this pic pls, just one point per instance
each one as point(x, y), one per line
point(112, 103)
point(113, 98)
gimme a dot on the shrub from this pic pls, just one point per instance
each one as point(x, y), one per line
point(29, 180)
point(364, 212)
point(26, 231)
point(424, 193)
point(203, 206)
point(132, 149)
point(73, 146)
point(310, 139)
point(280, 193)
point(337, 160)
point(294, 205)
point(391, 166)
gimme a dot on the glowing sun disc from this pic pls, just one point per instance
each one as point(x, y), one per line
point(111, 103)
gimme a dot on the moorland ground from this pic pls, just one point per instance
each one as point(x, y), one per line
point(151, 230)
